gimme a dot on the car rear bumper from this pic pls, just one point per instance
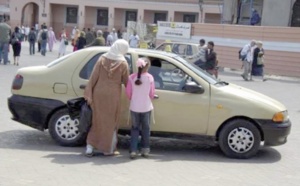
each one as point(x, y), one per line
point(275, 133)
point(33, 112)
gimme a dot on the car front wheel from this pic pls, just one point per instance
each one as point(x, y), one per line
point(239, 139)
point(64, 130)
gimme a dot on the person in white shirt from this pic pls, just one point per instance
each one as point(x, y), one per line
point(73, 32)
point(134, 40)
point(112, 37)
point(27, 30)
point(247, 61)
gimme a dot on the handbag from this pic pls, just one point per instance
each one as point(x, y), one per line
point(74, 107)
point(260, 60)
point(85, 120)
point(66, 42)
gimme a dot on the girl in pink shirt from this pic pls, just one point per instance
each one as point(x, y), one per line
point(140, 90)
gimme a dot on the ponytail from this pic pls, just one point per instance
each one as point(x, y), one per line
point(138, 81)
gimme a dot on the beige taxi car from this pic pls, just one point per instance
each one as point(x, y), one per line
point(188, 51)
point(189, 103)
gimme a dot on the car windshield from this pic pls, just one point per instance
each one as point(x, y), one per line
point(59, 60)
point(197, 70)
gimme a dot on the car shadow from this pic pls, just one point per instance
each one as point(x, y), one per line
point(162, 150)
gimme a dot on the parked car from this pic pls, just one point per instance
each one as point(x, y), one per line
point(187, 51)
point(189, 102)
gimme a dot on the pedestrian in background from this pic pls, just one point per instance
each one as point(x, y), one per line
point(63, 43)
point(51, 39)
point(32, 39)
point(258, 61)
point(140, 91)
point(247, 51)
point(103, 94)
point(201, 55)
point(98, 41)
point(4, 41)
point(105, 34)
point(75, 39)
point(89, 36)
point(112, 37)
point(16, 39)
point(43, 38)
point(134, 40)
point(27, 30)
point(81, 43)
point(211, 59)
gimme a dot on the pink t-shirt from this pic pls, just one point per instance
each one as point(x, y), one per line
point(140, 95)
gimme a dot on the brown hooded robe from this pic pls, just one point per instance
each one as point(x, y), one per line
point(104, 88)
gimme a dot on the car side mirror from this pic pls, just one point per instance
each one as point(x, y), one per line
point(192, 87)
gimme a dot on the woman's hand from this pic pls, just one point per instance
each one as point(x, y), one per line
point(89, 101)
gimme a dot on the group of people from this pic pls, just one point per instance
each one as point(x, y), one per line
point(207, 57)
point(252, 56)
point(103, 94)
point(81, 38)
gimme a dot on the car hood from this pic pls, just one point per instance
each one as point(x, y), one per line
point(243, 97)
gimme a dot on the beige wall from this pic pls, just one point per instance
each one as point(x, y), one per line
point(281, 44)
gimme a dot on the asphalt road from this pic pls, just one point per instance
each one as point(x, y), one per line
point(30, 157)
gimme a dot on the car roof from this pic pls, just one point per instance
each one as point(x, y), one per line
point(135, 50)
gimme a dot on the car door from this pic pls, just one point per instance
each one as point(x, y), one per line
point(175, 110)
point(83, 72)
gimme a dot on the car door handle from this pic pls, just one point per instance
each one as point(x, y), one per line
point(82, 86)
point(156, 96)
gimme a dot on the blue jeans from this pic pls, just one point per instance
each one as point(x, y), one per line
point(43, 47)
point(140, 121)
point(31, 47)
point(4, 52)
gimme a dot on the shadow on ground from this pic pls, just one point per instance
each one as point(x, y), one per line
point(162, 150)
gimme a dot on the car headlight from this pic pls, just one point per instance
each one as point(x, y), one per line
point(280, 117)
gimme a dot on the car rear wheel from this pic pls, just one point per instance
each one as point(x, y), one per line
point(239, 139)
point(64, 130)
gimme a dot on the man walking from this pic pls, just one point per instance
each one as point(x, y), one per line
point(134, 40)
point(99, 41)
point(4, 41)
point(44, 40)
point(247, 58)
point(32, 40)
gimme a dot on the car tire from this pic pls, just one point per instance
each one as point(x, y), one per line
point(64, 130)
point(239, 139)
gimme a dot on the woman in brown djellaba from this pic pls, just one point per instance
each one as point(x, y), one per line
point(103, 94)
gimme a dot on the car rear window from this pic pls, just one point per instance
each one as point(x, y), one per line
point(86, 71)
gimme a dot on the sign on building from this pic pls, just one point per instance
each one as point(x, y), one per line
point(173, 30)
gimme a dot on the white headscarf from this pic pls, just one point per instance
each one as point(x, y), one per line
point(117, 50)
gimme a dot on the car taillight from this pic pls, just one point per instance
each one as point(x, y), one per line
point(18, 82)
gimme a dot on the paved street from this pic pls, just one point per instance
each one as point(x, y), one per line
point(30, 157)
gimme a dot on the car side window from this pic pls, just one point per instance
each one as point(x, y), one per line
point(87, 70)
point(168, 76)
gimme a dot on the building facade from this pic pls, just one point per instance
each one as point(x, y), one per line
point(109, 14)
point(272, 12)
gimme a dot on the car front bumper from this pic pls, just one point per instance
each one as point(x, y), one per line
point(275, 133)
point(33, 112)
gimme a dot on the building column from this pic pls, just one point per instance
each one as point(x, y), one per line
point(171, 16)
point(111, 17)
point(229, 9)
point(44, 13)
point(276, 13)
point(81, 17)
point(140, 15)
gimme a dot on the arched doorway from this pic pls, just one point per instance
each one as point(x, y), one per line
point(30, 14)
